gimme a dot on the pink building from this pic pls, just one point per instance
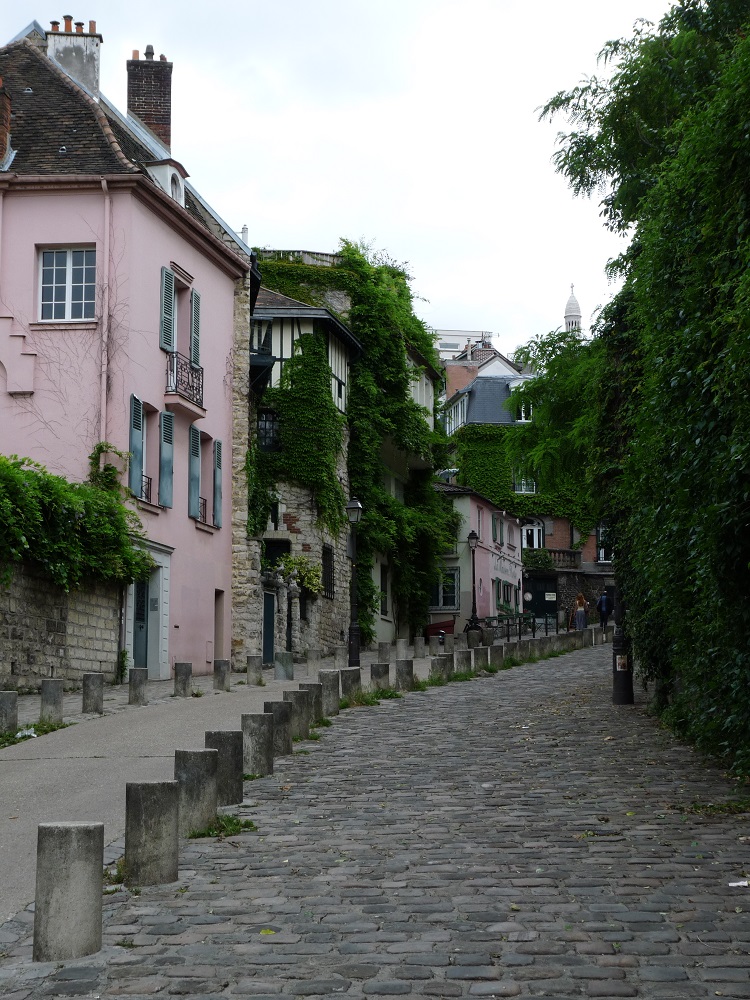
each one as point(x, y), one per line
point(495, 577)
point(117, 319)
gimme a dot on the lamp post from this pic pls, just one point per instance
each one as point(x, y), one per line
point(622, 658)
point(473, 541)
point(353, 513)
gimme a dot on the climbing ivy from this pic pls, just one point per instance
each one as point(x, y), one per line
point(483, 453)
point(71, 532)
point(382, 416)
point(310, 439)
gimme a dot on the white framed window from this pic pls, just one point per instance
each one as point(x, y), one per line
point(524, 412)
point(532, 536)
point(479, 521)
point(67, 284)
point(446, 592)
point(524, 484)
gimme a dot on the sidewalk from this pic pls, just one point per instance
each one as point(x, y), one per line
point(515, 835)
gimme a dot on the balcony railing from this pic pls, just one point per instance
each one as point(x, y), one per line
point(184, 378)
point(146, 488)
point(525, 486)
point(202, 507)
point(565, 558)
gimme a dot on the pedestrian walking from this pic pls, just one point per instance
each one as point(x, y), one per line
point(580, 613)
point(604, 607)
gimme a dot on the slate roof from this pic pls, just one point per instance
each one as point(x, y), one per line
point(450, 489)
point(274, 305)
point(55, 127)
point(486, 400)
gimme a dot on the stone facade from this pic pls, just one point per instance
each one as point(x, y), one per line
point(45, 632)
point(247, 589)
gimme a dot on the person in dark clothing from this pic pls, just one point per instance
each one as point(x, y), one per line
point(604, 607)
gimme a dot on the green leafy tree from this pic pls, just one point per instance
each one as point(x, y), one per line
point(674, 411)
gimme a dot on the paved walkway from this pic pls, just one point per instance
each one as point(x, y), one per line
point(516, 835)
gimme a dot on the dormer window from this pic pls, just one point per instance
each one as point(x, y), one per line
point(170, 177)
point(177, 192)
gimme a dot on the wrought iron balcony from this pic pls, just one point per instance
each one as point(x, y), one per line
point(184, 378)
point(146, 488)
point(202, 516)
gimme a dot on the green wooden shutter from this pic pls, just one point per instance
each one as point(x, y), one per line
point(195, 328)
point(217, 483)
point(166, 457)
point(494, 527)
point(135, 471)
point(194, 473)
point(166, 325)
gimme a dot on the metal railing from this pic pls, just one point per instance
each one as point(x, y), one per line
point(507, 627)
point(146, 488)
point(184, 378)
point(202, 506)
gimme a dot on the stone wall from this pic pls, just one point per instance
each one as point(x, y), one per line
point(569, 585)
point(45, 632)
point(247, 589)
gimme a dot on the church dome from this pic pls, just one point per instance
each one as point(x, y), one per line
point(572, 313)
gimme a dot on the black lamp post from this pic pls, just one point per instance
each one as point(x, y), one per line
point(622, 657)
point(473, 541)
point(353, 513)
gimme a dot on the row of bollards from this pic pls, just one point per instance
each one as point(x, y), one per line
point(68, 917)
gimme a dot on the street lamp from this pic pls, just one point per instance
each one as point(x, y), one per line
point(353, 513)
point(473, 541)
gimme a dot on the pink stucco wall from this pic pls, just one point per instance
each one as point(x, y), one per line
point(53, 370)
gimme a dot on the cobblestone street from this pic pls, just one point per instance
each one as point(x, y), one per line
point(516, 835)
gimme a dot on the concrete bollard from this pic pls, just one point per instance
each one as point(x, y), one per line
point(419, 647)
point(488, 636)
point(433, 647)
point(436, 669)
point(8, 711)
point(137, 679)
point(474, 638)
point(222, 675)
point(380, 676)
point(449, 665)
point(52, 700)
point(384, 652)
point(351, 681)
point(312, 659)
point(331, 683)
point(255, 669)
point(449, 643)
point(462, 661)
point(183, 680)
point(404, 675)
point(152, 811)
point(301, 702)
point(257, 743)
point(195, 772)
point(282, 726)
point(481, 657)
point(402, 649)
point(497, 655)
point(340, 657)
point(68, 910)
point(460, 641)
point(316, 690)
point(283, 667)
point(93, 694)
point(228, 744)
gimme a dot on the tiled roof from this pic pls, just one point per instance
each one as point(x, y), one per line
point(275, 300)
point(55, 127)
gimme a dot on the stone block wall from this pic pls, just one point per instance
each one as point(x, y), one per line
point(45, 632)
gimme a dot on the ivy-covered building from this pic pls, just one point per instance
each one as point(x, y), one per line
point(564, 550)
point(342, 404)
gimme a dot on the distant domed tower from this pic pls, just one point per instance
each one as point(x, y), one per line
point(572, 313)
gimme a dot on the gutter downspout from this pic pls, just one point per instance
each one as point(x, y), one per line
point(104, 369)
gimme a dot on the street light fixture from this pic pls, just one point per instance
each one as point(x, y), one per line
point(473, 541)
point(354, 514)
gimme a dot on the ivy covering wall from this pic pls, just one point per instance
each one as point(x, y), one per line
point(72, 532)
point(411, 535)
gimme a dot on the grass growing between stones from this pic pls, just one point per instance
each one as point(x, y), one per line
point(323, 723)
point(362, 698)
point(9, 739)
point(114, 875)
point(463, 675)
point(224, 826)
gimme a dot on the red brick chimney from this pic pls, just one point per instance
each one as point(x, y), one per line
point(4, 121)
point(150, 93)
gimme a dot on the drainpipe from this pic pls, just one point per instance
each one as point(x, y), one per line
point(104, 369)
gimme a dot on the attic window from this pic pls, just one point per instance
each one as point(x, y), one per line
point(176, 188)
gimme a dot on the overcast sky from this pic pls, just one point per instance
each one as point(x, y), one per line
point(410, 124)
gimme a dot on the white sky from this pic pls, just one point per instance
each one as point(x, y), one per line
point(410, 124)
